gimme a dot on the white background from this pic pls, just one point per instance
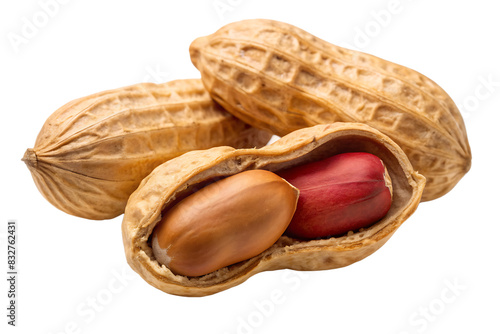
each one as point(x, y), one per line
point(438, 274)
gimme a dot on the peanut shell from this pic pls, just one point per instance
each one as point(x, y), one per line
point(176, 179)
point(93, 152)
point(280, 78)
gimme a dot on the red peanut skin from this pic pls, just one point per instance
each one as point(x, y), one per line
point(339, 194)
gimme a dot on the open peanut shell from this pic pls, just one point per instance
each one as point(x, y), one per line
point(179, 177)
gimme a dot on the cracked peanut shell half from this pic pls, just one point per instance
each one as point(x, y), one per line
point(93, 152)
point(176, 179)
point(278, 77)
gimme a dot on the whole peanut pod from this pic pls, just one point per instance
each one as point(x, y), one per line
point(93, 152)
point(278, 77)
point(339, 194)
point(179, 178)
point(226, 222)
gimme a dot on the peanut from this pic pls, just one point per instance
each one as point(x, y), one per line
point(93, 152)
point(342, 193)
point(182, 177)
point(278, 77)
point(225, 222)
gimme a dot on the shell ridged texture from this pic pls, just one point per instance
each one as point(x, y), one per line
point(92, 153)
point(278, 77)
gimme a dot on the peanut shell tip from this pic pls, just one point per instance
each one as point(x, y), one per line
point(30, 158)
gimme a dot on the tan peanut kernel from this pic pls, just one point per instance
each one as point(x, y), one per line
point(225, 222)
